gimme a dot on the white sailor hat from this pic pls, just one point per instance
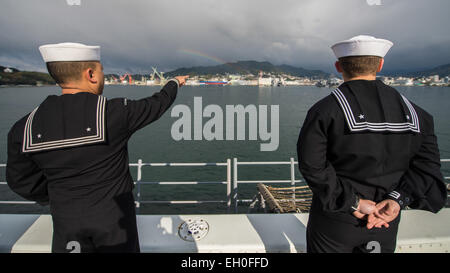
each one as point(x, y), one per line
point(69, 52)
point(362, 45)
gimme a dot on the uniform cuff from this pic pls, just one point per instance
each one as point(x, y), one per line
point(400, 197)
point(176, 81)
point(354, 203)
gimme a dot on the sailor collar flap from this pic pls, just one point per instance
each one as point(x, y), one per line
point(65, 121)
point(358, 120)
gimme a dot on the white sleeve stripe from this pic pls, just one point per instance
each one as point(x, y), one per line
point(394, 194)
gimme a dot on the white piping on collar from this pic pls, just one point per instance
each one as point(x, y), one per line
point(29, 146)
point(355, 126)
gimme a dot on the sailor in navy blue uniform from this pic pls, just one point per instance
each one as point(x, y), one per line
point(71, 153)
point(366, 152)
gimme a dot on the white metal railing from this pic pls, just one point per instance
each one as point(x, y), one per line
point(139, 182)
point(232, 183)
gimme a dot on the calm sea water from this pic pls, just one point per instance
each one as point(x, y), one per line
point(155, 144)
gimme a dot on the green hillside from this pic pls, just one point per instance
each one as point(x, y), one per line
point(17, 77)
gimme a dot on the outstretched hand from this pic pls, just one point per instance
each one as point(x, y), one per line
point(182, 79)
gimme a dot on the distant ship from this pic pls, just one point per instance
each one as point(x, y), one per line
point(321, 83)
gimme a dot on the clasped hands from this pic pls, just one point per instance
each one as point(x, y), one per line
point(377, 215)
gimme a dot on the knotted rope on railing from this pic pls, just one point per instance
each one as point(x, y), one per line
point(284, 200)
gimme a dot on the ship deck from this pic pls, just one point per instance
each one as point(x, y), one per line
point(228, 233)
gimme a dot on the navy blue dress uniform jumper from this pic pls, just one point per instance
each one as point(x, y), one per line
point(71, 153)
point(366, 140)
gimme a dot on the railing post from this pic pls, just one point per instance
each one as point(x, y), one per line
point(228, 185)
point(138, 182)
point(235, 184)
point(293, 179)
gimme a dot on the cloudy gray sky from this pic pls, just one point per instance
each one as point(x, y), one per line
point(138, 34)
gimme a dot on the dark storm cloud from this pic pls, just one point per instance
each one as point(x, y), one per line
point(136, 35)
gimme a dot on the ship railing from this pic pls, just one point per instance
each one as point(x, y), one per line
point(232, 182)
point(139, 182)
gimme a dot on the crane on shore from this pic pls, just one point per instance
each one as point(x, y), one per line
point(130, 79)
point(160, 75)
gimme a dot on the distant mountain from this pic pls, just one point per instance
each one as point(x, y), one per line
point(248, 67)
point(442, 71)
